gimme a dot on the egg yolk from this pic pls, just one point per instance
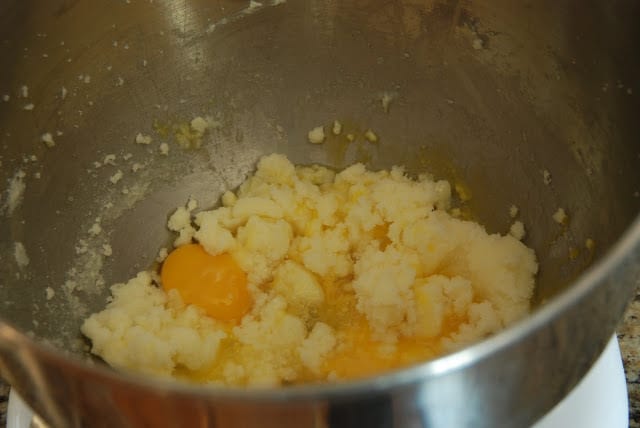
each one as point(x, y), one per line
point(214, 283)
point(359, 355)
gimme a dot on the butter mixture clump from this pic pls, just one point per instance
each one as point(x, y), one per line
point(320, 275)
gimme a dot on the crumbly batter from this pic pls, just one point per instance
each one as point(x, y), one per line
point(347, 275)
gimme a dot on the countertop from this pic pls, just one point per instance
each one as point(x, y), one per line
point(629, 339)
point(628, 336)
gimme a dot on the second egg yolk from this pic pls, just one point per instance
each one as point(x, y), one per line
point(213, 283)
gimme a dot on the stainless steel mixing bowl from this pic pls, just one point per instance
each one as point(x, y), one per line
point(487, 93)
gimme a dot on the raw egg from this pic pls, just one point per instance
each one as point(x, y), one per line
point(360, 356)
point(214, 283)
